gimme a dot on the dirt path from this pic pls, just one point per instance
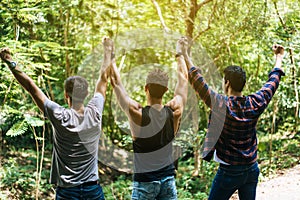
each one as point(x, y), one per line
point(285, 186)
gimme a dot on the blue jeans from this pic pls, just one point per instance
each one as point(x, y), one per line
point(165, 189)
point(230, 178)
point(81, 192)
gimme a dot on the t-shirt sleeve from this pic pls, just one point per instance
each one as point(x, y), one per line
point(53, 111)
point(97, 102)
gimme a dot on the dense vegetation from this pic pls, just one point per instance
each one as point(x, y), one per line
point(58, 38)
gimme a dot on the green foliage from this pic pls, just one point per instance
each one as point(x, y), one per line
point(284, 152)
point(34, 121)
point(18, 128)
point(55, 39)
point(17, 176)
point(119, 189)
point(190, 186)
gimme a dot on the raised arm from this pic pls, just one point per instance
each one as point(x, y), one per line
point(181, 89)
point(183, 50)
point(101, 84)
point(211, 98)
point(269, 88)
point(27, 83)
point(128, 105)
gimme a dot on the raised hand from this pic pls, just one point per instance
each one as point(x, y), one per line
point(5, 54)
point(182, 46)
point(279, 52)
point(108, 45)
point(278, 49)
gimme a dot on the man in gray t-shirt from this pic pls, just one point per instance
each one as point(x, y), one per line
point(76, 139)
point(74, 168)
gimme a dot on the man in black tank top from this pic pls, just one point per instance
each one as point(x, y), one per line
point(153, 129)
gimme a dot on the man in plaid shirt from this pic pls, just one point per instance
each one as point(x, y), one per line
point(231, 137)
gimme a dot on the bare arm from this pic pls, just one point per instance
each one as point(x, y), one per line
point(181, 89)
point(27, 83)
point(128, 105)
point(187, 59)
point(101, 84)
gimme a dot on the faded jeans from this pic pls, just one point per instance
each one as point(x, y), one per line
point(230, 178)
point(165, 189)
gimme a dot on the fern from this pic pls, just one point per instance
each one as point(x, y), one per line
point(33, 121)
point(18, 129)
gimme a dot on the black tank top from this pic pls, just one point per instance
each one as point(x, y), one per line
point(153, 152)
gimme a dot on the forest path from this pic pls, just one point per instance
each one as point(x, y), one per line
point(284, 186)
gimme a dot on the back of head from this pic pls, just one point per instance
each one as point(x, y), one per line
point(77, 88)
point(236, 76)
point(157, 82)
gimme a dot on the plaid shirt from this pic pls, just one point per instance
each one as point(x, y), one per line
point(232, 121)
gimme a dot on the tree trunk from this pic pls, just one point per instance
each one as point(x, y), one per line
point(191, 19)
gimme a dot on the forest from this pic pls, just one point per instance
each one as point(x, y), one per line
point(54, 39)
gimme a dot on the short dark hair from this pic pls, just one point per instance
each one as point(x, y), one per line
point(77, 88)
point(157, 83)
point(236, 76)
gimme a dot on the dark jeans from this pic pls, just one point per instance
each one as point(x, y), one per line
point(81, 192)
point(230, 178)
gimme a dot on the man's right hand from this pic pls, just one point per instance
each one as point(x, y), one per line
point(278, 49)
point(182, 46)
point(108, 45)
point(5, 54)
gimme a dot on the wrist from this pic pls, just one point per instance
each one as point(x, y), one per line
point(186, 56)
point(179, 54)
point(280, 56)
point(11, 64)
point(107, 55)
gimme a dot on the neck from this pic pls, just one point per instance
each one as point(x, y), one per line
point(78, 107)
point(234, 93)
point(154, 101)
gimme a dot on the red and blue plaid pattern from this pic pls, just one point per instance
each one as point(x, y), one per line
point(232, 121)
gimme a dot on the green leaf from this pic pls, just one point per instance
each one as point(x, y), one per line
point(33, 121)
point(17, 129)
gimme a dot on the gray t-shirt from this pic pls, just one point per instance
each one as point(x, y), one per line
point(75, 142)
